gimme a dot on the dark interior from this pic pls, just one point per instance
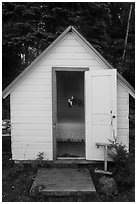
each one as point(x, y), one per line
point(70, 133)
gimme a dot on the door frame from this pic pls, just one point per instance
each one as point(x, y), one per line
point(54, 101)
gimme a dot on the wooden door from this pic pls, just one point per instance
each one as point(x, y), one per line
point(100, 110)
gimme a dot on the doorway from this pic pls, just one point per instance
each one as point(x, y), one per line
point(70, 114)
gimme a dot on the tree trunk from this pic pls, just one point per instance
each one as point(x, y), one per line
point(126, 38)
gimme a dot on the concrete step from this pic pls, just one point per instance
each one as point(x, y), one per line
point(63, 182)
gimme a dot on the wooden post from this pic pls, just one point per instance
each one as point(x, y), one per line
point(105, 157)
point(106, 146)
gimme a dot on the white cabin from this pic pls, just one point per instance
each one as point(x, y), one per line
point(67, 100)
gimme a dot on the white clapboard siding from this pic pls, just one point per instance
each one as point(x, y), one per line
point(43, 73)
point(31, 133)
point(26, 113)
point(17, 126)
point(29, 107)
point(122, 94)
point(123, 106)
point(78, 58)
point(68, 62)
point(123, 133)
point(32, 120)
point(36, 94)
point(120, 88)
point(34, 101)
point(67, 42)
point(31, 101)
point(71, 56)
point(43, 66)
point(123, 125)
point(62, 49)
point(123, 115)
point(30, 136)
point(34, 87)
point(31, 116)
point(32, 145)
point(123, 101)
point(123, 140)
point(122, 119)
point(27, 150)
point(37, 82)
point(30, 139)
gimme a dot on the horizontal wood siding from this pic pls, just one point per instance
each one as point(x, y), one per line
point(31, 101)
point(31, 117)
point(70, 52)
point(123, 116)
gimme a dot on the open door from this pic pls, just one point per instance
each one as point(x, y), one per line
point(100, 110)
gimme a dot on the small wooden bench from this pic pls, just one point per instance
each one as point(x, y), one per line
point(105, 145)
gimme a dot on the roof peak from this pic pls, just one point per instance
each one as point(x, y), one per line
point(70, 28)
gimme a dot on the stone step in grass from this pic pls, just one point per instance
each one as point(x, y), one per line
point(59, 183)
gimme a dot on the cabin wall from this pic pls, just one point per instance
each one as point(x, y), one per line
point(123, 115)
point(31, 101)
point(31, 117)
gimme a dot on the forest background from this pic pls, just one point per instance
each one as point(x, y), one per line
point(29, 27)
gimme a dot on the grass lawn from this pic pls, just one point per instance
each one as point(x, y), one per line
point(16, 181)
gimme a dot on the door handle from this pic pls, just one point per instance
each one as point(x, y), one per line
point(112, 117)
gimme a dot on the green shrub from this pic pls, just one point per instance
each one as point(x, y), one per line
point(40, 156)
point(121, 170)
point(39, 161)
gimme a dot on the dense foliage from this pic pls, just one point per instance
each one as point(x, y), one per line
point(123, 171)
point(29, 27)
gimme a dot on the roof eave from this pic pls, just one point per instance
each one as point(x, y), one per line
point(128, 87)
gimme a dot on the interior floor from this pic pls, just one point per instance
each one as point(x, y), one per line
point(71, 149)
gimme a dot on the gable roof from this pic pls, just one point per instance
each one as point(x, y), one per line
point(29, 69)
